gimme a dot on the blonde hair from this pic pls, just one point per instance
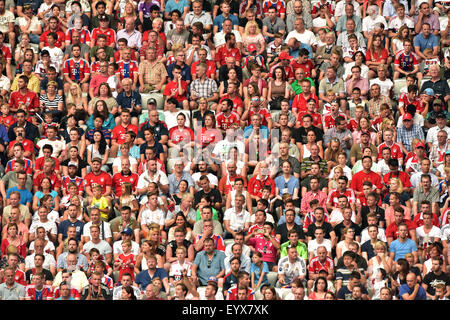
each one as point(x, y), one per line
point(380, 244)
point(385, 123)
point(400, 184)
point(70, 97)
point(250, 24)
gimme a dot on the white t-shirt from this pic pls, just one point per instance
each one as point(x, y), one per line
point(365, 235)
point(118, 162)
point(396, 23)
point(48, 226)
point(56, 56)
point(306, 37)
point(170, 118)
point(385, 86)
point(57, 145)
point(368, 24)
point(418, 120)
point(212, 180)
point(340, 8)
point(144, 179)
point(157, 216)
point(5, 83)
point(423, 237)
point(33, 25)
point(6, 19)
point(49, 261)
point(313, 245)
point(105, 225)
point(237, 221)
point(48, 247)
point(117, 247)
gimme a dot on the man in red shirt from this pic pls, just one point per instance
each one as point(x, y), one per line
point(392, 229)
point(226, 118)
point(27, 145)
point(311, 110)
point(243, 283)
point(228, 50)
point(124, 176)
point(285, 59)
point(104, 29)
point(299, 103)
point(177, 88)
point(332, 201)
point(425, 207)
point(119, 131)
point(47, 151)
point(396, 150)
point(232, 94)
point(53, 27)
point(226, 183)
point(257, 182)
point(366, 175)
point(48, 171)
point(97, 177)
point(24, 96)
point(7, 55)
point(306, 64)
point(395, 173)
point(210, 66)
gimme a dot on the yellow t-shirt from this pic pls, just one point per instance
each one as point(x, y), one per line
point(102, 204)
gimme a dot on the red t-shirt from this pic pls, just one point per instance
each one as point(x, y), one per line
point(403, 176)
point(208, 136)
point(396, 151)
point(172, 86)
point(255, 186)
point(328, 120)
point(30, 99)
point(299, 102)
point(118, 179)
point(418, 220)
point(103, 179)
point(237, 101)
point(118, 133)
point(308, 66)
point(224, 122)
point(109, 33)
point(210, 68)
point(176, 135)
point(59, 41)
point(392, 231)
point(7, 120)
point(55, 180)
point(264, 113)
point(28, 145)
point(360, 177)
point(317, 118)
point(224, 53)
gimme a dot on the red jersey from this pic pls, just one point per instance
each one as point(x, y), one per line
point(299, 102)
point(133, 55)
point(310, 219)
point(118, 179)
point(335, 194)
point(6, 52)
point(263, 112)
point(127, 69)
point(374, 56)
point(77, 70)
point(7, 120)
point(317, 118)
point(176, 135)
point(361, 176)
point(319, 4)
point(218, 242)
point(403, 176)
point(328, 120)
point(19, 277)
point(289, 70)
point(418, 220)
point(406, 62)
point(224, 122)
point(39, 163)
point(255, 186)
point(352, 125)
point(232, 294)
point(46, 293)
point(124, 268)
point(54, 179)
point(223, 52)
point(109, 33)
point(396, 151)
point(172, 86)
point(29, 99)
point(59, 41)
point(208, 136)
point(416, 102)
point(280, 5)
point(308, 66)
point(28, 145)
point(85, 35)
point(28, 166)
point(226, 183)
point(103, 179)
point(444, 219)
point(118, 133)
point(392, 231)
point(74, 293)
point(95, 67)
point(106, 280)
point(77, 180)
point(315, 265)
point(237, 102)
point(210, 68)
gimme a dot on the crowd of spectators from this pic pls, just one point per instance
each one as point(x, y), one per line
point(237, 150)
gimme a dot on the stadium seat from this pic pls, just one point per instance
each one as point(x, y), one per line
point(272, 277)
point(398, 85)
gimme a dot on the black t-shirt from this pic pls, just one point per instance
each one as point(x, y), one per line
point(223, 73)
point(214, 194)
point(173, 245)
point(199, 117)
point(106, 293)
point(365, 211)
point(283, 231)
point(340, 227)
point(326, 226)
point(300, 134)
point(243, 22)
point(360, 262)
point(29, 275)
point(234, 6)
point(159, 129)
point(323, 182)
point(431, 280)
point(81, 164)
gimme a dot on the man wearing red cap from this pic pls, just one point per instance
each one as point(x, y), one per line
point(253, 57)
point(408, 132)
point(285, 60)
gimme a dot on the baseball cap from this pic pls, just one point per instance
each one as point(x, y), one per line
point(365, 133)
point(285, 56)
point(407, 116)
point(311, 100)
point(127, 231)
point(441, 115)
point(251, 47)
point(437, 101)
point(73, 164)
point(212, 279)
point(420, 144)
point(97, 159)
point(102, 17)
point(429, 91)
point(151, 101)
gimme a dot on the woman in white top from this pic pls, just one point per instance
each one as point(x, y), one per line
point(239, 189)
point(380, 260)
point(117, 164)
point(342, 246)
point(98, 149)
point(311, 139)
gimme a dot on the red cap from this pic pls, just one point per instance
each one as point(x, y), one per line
point(420, 144)
point(407, 116)
point(285, 56)
point(251, 47)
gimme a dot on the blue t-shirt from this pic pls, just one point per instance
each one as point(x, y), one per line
point(218, 21)
point(422, 43)
point(126, 102)
point(290, 185)
point(143, 278)
point(25, 195)
point(257, 270)
point(402, 248)
point(421, 294)
point(65, 224)
point(171, 5)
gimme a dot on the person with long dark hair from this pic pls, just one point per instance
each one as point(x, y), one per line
point(98, 149)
